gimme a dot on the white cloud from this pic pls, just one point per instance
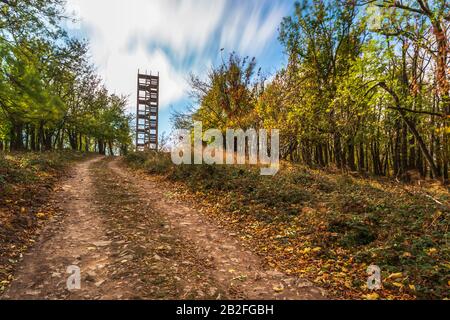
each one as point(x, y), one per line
point(249, 31)
point(120, 71)
point(182, 25)
point(173, 37)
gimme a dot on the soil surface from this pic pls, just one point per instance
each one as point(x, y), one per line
point(131, 240)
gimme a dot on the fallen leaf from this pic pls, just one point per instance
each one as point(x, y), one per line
point(40, 215)
point(396, 275)
point(279, 288)
point(407, 255)
point(306, 250)
point(372, 296)
point(289, 250)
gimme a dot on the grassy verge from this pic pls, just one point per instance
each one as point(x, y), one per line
point(325, 226)
point(26, 182)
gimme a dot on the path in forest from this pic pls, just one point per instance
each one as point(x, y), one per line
point(132, 241)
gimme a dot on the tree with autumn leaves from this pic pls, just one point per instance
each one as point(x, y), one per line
point(50, 96)
point(366, 88)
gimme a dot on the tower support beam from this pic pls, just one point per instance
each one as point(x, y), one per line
point(147, 113)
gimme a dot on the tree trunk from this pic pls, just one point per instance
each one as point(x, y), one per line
point(337, 150)
point(413, 164)
point(16, 133)
point(73, 139)
point(377, 169)
point(80, 144)
point(404, 149)
point(110, 146)
point(413, 130)
point(87, 143)
point(33, 137)
point(101, 147)
point(361, 161)
point(47, 142)
point(351, 155)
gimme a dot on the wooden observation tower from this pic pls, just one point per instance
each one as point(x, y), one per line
point(147, 114)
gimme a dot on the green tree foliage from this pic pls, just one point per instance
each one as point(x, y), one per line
point(50, 96)
point(365, 88)
point(228, 96)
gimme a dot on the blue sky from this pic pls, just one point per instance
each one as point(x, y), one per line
point(175, 38)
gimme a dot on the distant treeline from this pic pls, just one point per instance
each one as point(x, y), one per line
point(366, 88)
point(50, 96)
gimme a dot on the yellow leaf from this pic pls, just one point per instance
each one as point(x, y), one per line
point(317, 249)
point(432, 251)
point(412, 287)
point(407, 255)
point(306, 250)
point(437, 214)
point(289, 250)
point(40, 215)
point(372, 296)
point(279, 288)
point(398, 285)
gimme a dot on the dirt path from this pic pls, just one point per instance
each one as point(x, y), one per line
point(236, 269)
point(131, 241)
point(76, 237)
